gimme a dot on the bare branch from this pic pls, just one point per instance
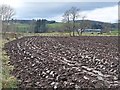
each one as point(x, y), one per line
point(7, 12)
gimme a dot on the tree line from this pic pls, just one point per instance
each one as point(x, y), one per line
point(40, 26)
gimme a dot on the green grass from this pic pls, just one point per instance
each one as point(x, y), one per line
point(55, 25)
point(25, 27)
point(22, 27)
point(115, 32)
point(7, 80)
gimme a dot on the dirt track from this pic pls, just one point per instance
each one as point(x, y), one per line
point(67, 62)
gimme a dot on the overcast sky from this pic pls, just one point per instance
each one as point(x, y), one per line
point(34, 9)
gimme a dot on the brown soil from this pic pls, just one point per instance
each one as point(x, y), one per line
point(65, 62)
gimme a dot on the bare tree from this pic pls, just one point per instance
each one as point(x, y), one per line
point(74, 15)
point(70, 17)
point(84, 25)
point(66, 21)
point(107, 28)
point(7, 13)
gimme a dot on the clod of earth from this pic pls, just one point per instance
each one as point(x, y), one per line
point(66, 62)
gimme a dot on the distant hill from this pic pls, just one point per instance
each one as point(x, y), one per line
point(98, 24)
point(93, 24)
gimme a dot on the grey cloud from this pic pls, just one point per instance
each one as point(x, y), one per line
point(31, 10)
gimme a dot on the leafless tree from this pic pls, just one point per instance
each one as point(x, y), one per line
point(66, 21)
point(74, 15)
point(107, 28)
point(70, 17)
point(84, 24)
point(7, 13)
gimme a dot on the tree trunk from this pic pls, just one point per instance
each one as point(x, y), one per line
point(73, 28)
point(78, 32)
point(73, 33)
point(81, 31)
point(70, 34)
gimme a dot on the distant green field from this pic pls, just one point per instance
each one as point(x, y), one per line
point(115, 32)
point(55, 28)
point(55, 25)
point(22, 27)
point(26, 27)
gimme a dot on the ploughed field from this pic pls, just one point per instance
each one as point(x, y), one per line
point(65, 62)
